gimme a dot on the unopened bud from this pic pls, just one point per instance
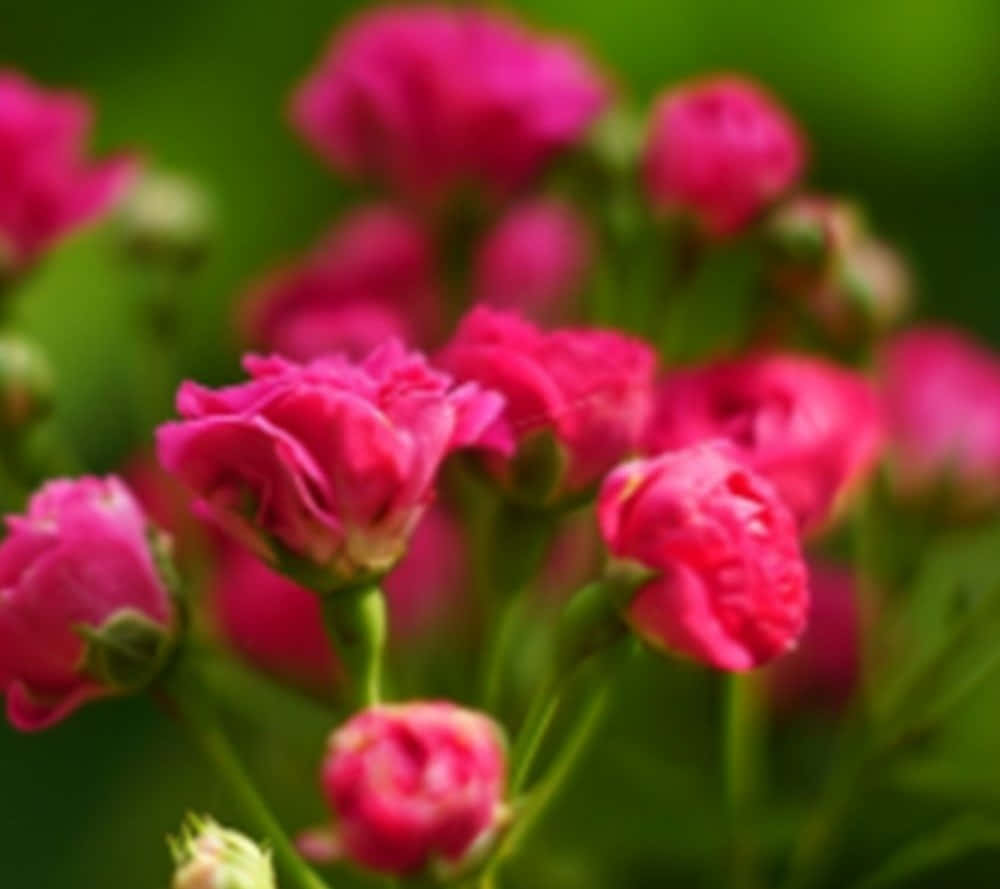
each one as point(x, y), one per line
point(168, 218)
point(26, 383)
point(878, 282)
point(807, 232)
point(208, 856)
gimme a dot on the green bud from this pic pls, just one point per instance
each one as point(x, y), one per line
point(127, 652)
point(26, 383)
point(168, 219)
point(208, 856)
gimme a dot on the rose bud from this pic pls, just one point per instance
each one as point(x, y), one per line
point(941, 392)
point(167, 218)
point(823, 670)
point(416, 786)
point(811, 427)
point(272, 621)
point(535, 260)
point(48, 187)
point(325, 468)
point(385, 102)
point(208, 856)
point(26, 383)
point(720, 151)
point(84, 611)
point(806, 235)
point(370, 279)
point(577, 400)
point(729, 585)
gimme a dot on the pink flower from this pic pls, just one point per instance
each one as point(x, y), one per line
point(328, 462)
point(823, 670)
point(415, 784)
point(369, 280)
point(812, 428)
point(272, 621)
point(78, 559)
point(588, 391)
point(730, 587)
point(430, 577)
point(46, 186)
point(941, 391)
point(720, 149)
point(430, 97)
point(534, 260)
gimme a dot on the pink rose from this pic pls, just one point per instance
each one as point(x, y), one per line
point(823, 670)
point(721, 150)
point(534, 260)
point(272, 621)
point(941, 391)
point(371, 279)
point(77, 560)
point(430, 97)
point(328, 462)
point(415, 785)
point(812, 428)
point(47, 188)
point(730, 587)
point(587, 391)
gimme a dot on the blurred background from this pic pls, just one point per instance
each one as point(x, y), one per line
point(899, 98)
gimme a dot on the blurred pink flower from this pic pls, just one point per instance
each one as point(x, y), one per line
point(328, 462)
point(370, 279)
point(535, 260)
point(78, 558)
point(730, 588)
point(431, 97)
point(814, 429)
point(941, 391)
point(47, 187)
point(823, 670)
point(720, 149)
point(590, 391)
point(415, 785)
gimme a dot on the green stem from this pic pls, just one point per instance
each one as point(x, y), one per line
point(741, 763)
point(543, 709)
point(356, 621)
point(183, 687)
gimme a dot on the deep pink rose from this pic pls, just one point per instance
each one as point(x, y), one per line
point(78, 558)
point(941, 392)
point(720, 150)
point(730, 587)
point(534, 260)
point(47, 187)
point(823, 670)
point(370, 279)
point(330, 462)
point(430, 97)
point(415, 785)
point(811, 427)
point(272, 621)
point(589, 390)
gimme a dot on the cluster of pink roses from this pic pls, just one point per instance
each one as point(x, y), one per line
point(324, 468)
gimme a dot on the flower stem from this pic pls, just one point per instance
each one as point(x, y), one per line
point(183, 688)
point(356, 621)
point(741, 765)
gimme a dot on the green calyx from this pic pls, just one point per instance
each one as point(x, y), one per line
point(127, 652)
point(208, 856)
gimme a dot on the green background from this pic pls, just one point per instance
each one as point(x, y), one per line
point(900, 98)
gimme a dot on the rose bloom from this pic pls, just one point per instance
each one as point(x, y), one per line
point(721, 150)
point(76, 559)
point(369, 280)
point(729, 587)
point(415, 785)
point(47, 187)
point(941, 391)
point(589, 391)
point(823, 670)
point(811, 427)
point(534, 260)
point(428, 98)
point(331, 463)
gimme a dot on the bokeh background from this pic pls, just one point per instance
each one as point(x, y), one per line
point(900, 97)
